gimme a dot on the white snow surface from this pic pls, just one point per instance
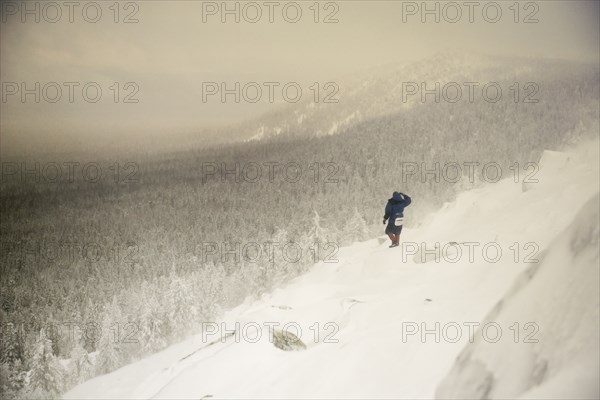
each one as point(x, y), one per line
point(374, 304)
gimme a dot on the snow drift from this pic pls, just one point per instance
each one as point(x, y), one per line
point(557, 296)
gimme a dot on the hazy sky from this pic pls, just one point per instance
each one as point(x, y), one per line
point(177, 45)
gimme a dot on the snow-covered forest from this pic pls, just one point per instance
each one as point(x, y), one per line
point(132, 226)
point(424, 324)
point(147, 275)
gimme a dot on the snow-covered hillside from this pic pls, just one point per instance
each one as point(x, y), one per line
point(371, 94)
point(558, 298)
point(397, 89)
point(390, 323)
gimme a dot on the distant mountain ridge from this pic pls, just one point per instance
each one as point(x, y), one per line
point(380, 92)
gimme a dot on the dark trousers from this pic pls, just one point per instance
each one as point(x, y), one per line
point(393, 233)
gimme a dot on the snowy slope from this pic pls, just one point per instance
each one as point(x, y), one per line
point(378, 301)
point(558, 298)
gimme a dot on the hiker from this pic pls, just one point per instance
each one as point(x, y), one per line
point(394, 215)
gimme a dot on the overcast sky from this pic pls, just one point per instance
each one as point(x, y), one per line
point(170, 51)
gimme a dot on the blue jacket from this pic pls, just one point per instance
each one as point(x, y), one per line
point(395, 207)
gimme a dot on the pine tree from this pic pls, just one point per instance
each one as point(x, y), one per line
point(151, 329)
point(12, 379)
point(317, 240)
point(356, 228)
point(82, 364)
point(10, 349)
point(47, 375)
point(317, 233)
point(181, 312)
point(277, 262)
point(109, 347)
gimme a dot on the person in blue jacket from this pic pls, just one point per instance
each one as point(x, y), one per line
point(394, 215)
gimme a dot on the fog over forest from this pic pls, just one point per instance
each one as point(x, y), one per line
point(170, 165)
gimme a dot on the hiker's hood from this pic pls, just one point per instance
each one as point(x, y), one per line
point(396, 196)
